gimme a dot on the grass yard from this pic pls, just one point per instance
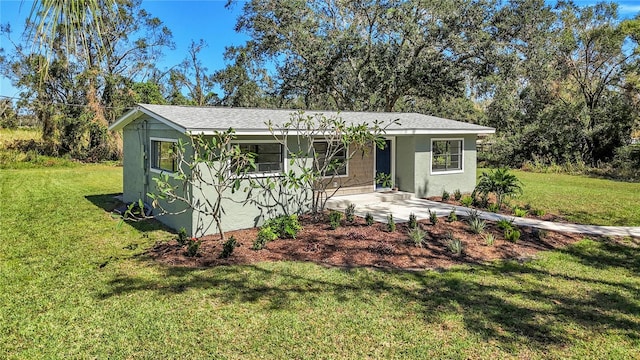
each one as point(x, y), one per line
point(74, 285)
point(582, 199)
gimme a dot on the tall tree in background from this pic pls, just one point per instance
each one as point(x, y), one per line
point(103, 57)
point(366, 55)
point(192, 75)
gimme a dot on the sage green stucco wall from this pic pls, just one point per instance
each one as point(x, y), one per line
point(138, 178)
point(405, 163)
point(249, 207)
point(432, 184)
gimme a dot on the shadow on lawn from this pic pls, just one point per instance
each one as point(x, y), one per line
point(508, 302)
point(109, 203)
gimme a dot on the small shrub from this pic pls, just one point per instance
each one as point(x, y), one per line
point(505, 224)
point(193, 246)
point(417, 235)
point(512, 235)
point(413, 221)
point(349, 213)
point(477, 225)
point(452, 216)
point(519, 212)
point(466, 201)
point(472, 215)
point(228, 247)
point(334, 219)
point(182, 236)
point(457, 195)
point(368, 219)
point(265, 235)
point(538, 212)
point(285, 227)
point(433, 217)
point(493, 208)
point(445, 195)
point(455, 245)
point(489, 239)
point(391, 224)
point(540, 234)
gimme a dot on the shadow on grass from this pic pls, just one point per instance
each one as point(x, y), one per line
point(508, 302)
point(109, 203)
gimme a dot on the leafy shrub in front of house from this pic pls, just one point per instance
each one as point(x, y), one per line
point(413, 221)
point(519, 212)
point(489, 239)
point(466, 201)
point(391, 224)
point(512, 235)
point(505, 224)
point(334, 219)
point(493, 208)
point(477, 225)
point(350, 212)
point(433, 217)
point(452, 216)
point(228, 247)
point(500, 182)
point(193, 246)
point(417, 236)
point(285, 226)
point(445, 195)
point(265, 234)
point(457, 195)
point(182, 236)
point(368, 219)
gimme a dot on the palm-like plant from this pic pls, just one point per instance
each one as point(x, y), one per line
point(500, 182)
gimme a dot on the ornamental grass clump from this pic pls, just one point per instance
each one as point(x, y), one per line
point(417, 236)
point(453, 217)
point(193, 246)
point(466, 201)
point(445, 195)
point(457, 195)
point(477, 225)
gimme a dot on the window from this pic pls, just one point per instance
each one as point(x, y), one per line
point(337, 154)
point(267, 157)
point(163, 155)
point(446, 155)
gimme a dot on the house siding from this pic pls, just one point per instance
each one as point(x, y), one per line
point(428, 184)
point(360, 178)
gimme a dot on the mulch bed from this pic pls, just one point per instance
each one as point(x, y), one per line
point(358, 245)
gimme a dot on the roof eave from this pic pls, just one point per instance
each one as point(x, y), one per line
point(258, 132)
point(139, 111)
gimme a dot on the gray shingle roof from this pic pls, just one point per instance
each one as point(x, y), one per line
point(248, 120)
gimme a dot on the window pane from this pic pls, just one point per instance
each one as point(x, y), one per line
point(163, 156)
point(446, 155)
point(267, 157)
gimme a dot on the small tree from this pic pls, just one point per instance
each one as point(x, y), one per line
point(315, 169)
point(204, 178)
point(500, 182)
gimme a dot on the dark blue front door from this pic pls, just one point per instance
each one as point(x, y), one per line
point(383, 160)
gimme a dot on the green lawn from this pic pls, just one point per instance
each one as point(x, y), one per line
point(582, 199)
point(74, 285)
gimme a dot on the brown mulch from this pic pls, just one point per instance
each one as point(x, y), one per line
point(359, 245)
point(505, 210)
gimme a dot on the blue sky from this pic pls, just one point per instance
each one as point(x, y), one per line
point(194, 20)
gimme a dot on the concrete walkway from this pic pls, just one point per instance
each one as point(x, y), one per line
point(401, 205)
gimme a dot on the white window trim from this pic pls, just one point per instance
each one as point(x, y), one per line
point(252, 175)
point(151, 168)
point(461, 157)
point(346, 167)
